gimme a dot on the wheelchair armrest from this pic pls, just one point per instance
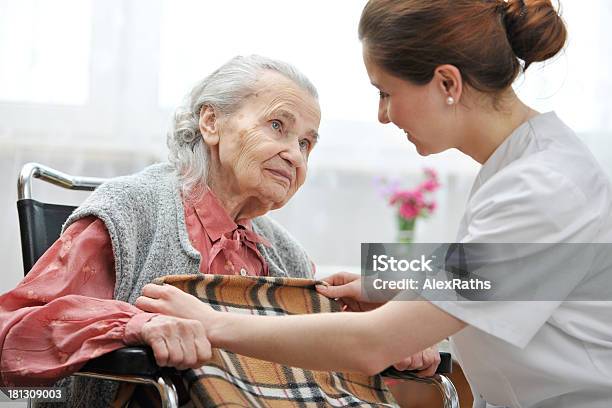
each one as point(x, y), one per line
point(445, 367)
point(136, 361)
point(140, 361)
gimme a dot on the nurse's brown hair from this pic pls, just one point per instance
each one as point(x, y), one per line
point(485, 39)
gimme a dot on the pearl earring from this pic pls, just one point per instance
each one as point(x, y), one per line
point(450, 100)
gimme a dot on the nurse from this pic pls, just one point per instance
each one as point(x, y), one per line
point(444, 70)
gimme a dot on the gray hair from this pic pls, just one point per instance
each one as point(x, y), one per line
point(225, 90)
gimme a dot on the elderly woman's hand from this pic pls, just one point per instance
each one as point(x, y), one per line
point(425, 362)
point(176, 342)
point(171, 301)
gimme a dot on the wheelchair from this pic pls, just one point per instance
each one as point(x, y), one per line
point(40, 226)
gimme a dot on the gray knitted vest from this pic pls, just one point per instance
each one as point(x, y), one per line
point(145, 219)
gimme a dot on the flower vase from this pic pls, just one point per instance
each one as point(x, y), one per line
point(405, 229)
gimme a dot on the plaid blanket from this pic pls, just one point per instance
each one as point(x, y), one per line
point(230, 379)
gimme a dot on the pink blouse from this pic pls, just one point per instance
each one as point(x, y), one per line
point(63, 314)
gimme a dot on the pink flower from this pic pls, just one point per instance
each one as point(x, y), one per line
point(430, 185)
point(409, 211)
point(411, 204)
point(402, 196)
point(398, 195)
point(416, 197)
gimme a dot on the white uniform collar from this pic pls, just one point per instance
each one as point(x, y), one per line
point(511, 149)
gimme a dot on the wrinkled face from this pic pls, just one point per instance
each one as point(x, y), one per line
point(419, 110)
point(263, 147)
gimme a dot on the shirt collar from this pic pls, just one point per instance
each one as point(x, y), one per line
point(215, 220)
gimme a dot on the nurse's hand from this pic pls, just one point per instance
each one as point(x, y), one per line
point(346, 287)
point(425, 362)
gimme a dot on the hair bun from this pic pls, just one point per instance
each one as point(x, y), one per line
point(535, 30)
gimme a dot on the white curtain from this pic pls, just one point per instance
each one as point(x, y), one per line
point(88, 86)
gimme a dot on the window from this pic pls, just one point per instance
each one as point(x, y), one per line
point(48, 46)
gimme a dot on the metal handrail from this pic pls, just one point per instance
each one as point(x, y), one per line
point(35, 170)
point(164, 385)
point(445, 386)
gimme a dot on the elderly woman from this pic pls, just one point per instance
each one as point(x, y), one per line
point(239, 149)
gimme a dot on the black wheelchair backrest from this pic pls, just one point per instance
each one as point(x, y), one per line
point(40, 223)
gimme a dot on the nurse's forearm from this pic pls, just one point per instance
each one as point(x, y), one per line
point(325, 342)
point(367, 342)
